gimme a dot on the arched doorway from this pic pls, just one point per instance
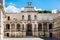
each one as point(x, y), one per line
point(50, 34)
point(50, 27)
point(39, 27)
point(29, 30)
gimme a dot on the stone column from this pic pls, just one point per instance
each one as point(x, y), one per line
point(25, 29)
point(21, 30)
point(33, 29)
point(37, 29)
point(42, 27)
point(15, 30)
point(10, 30)
point(48, 29)
point(42, 30)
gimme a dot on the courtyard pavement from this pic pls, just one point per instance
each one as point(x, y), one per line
point(22, 39)
point(51, 38)
point(31, 38)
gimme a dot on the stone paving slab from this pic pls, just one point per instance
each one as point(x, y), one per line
point(31, 38)
point(22, 39)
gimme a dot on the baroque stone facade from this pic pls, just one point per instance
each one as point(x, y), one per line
point(28, 23)
point(56, 28)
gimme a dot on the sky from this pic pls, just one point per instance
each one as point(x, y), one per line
point(38, 4)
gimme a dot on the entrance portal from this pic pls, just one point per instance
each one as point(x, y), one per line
point(50, 34)
point(29, 30)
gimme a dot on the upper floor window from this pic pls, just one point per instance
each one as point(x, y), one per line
point(7, 26)
point(35, 17)
point(22, 17)
point(29, 17)
point(8, 17)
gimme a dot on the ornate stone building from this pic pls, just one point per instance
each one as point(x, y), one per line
point(28, 23)
point(56, 28)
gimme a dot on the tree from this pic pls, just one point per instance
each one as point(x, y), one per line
point(44, 11)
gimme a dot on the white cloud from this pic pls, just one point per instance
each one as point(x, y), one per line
point(37, 9)
point(12, 9)
point(22, 8)
point(54, 11)
point(11, 3)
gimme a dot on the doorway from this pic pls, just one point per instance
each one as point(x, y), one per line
point(29, 30)
point(50, 34)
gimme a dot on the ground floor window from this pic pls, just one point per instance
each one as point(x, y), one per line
point(7, 34)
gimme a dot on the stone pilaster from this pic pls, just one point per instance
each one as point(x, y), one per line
point(42, 27)
point(37, 29)
point(33, 29)
point(21, 30)
point(24, 30)
point(10, 30)
point(15, 30)
point(48, 29)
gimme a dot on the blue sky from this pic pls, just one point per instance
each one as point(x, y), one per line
point(43, 4)
point(39, 4)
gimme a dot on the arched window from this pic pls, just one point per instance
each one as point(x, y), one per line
point(18, 27)
point(39, 27)
point(35, 17)
point(50, 26)
point(29, 17)
point(22, 17)
point(7, 26)
point(8, 17)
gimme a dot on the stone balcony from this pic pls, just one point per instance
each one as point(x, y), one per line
point(29, 21)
